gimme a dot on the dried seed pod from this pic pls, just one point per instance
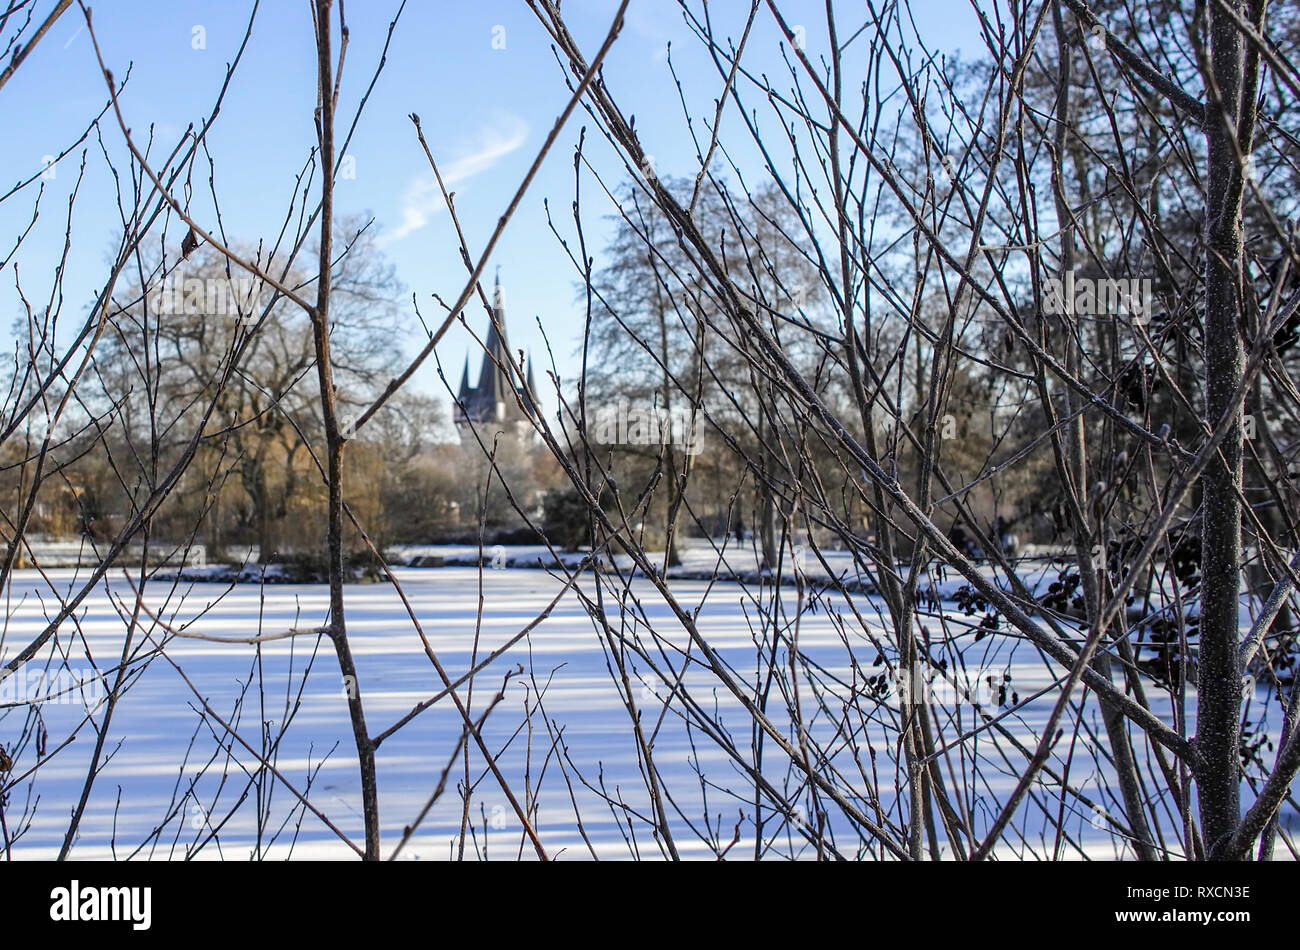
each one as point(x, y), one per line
point(189, 243)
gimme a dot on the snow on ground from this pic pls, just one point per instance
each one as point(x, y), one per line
point(174, 775)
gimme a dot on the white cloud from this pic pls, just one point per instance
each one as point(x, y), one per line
point(422, 200)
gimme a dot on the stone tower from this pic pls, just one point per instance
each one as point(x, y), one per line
point(492, 402)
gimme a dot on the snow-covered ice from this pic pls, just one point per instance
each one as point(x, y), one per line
point(175, 784)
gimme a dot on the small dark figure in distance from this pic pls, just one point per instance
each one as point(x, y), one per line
point(1008, 543)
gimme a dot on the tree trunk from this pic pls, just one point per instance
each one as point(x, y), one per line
point(1219, 679)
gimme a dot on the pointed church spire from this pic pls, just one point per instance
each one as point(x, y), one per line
point(530, 388)
point(464, 381)
point(493, 398)
point(493, 379)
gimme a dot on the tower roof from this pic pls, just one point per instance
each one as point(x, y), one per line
point(492, 398)
point(464, 380)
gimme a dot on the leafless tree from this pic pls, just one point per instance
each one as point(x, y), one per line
point(1053, 288)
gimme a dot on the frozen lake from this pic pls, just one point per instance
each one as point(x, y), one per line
point(175, 784)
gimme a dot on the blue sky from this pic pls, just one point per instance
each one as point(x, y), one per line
point(485, 112)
